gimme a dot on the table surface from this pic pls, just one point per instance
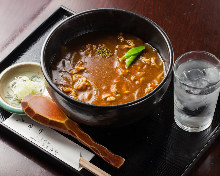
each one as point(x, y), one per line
point(190, 25)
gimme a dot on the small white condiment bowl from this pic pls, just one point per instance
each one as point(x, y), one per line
point(28, 69)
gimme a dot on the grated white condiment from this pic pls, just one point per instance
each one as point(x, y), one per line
point(22, 86)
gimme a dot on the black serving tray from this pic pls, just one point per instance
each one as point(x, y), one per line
point(153, 146)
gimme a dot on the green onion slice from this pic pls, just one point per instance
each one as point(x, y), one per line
point(133, 51)
point(132, 54)
point(130, 59)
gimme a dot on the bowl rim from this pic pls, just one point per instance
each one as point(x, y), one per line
point(4, 104)
point(48, 79)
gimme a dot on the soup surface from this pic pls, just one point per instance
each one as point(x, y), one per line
point(89, 69)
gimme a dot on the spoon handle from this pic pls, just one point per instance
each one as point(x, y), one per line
point(103, 152)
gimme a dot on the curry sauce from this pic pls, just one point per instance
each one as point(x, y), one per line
point(90, 69)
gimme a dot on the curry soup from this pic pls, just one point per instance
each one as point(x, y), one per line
point(90, 69)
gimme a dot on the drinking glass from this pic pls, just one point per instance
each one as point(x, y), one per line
point(196, 90)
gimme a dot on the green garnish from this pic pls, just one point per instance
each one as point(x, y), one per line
point(132, 54)
point(133, 51)
point(130, 59)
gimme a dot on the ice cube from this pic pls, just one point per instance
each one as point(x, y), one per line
point(195, 79)
point(201, 83)
point(191, 90)
point(194, 74)
point(211, 75)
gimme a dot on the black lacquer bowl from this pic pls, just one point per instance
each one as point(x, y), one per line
point(107, 20)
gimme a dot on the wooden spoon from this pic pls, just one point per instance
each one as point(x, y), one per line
point(43, 110)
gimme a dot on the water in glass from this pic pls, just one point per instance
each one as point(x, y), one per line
point(195, 94)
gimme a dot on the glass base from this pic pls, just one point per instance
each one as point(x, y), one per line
point(192, 129)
